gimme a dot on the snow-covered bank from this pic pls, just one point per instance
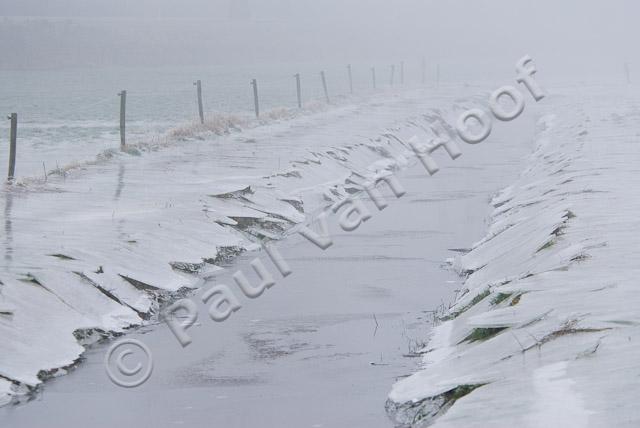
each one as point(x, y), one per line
point(104, 247)
point(544, 332)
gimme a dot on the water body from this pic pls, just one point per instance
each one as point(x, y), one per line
point(71, 115)
point(323, 346)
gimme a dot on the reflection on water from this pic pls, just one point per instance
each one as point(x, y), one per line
point(120, 185)
point(8, 228)
point(116, 197)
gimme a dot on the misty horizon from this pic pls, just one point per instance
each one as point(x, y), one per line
point(484, 35)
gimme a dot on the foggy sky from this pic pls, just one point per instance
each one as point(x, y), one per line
point(584, 36)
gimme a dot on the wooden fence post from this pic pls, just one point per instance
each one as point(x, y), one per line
point(402, 72)
point(324, 86)
point(298, 90)
point(627, 72)
point(393, 72)
point(123, 107)
point(350, 79)
point(12, 145)
point(256, 101)
point(198, 85)
point(373, 75)
point(424, 71)
point(438, 76)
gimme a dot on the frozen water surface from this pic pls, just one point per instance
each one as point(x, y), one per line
point(318, 349)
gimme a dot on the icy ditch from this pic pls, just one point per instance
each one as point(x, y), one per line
point(102, 249)
point(544, 332)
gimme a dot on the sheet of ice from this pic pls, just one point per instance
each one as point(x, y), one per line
point(102, 247)
point(545, 331)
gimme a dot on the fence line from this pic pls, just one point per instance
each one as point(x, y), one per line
point(256, 101)
point(298, 90)
point(199, 98)
point(13, 117)
point(123, 118)
point(324, 86)
point(198, 84)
